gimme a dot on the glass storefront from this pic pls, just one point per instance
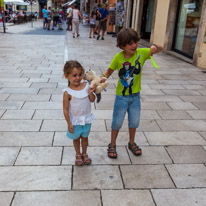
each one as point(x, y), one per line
point(187, 26)
point(147, 17)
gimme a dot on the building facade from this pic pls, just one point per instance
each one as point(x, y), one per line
point(178, 25)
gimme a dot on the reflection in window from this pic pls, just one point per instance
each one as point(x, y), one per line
point(187, 26)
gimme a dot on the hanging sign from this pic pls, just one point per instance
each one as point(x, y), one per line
point(1, 4)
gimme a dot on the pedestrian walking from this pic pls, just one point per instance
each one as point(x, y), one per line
point(77, 109)
point(55, 12)
point(98, 17)
point(103, 21)
point(92, 22)
point(49, 17)
point(76, 14)
point(69, 18)
point(44, 11)
point(60, 22)
point(129, 64)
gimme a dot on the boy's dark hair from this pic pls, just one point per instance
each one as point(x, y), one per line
point(126, 36)
point(70, 65)
point(76, 6)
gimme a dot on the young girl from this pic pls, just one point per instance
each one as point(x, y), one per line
point(92, 23)
point(77, 109)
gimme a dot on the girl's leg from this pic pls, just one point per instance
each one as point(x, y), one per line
point(73, 28)
point(90, 32)
point(85, 157)
point(76, 144)
point(77, 28)
point(93, 32)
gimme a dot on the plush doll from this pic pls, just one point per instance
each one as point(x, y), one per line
point(91, 77)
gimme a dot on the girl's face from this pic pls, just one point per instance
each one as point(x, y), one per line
point(75, 77)
point(130, 48)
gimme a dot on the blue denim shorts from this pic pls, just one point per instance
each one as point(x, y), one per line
point(131, 105)
point(79, 131)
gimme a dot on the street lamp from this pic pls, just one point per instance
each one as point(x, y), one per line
point(31, 2)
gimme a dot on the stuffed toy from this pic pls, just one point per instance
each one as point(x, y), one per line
point(91, 77)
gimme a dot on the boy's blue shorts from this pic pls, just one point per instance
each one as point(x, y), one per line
point(131, 105)
point(79, 131)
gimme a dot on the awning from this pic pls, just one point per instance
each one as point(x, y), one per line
point(16, 2)
point(69, 3)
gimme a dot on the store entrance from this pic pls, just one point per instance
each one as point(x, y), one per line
point(147, 16)
point(188, 19)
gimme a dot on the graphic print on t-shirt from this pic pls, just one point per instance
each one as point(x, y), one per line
point(126, 74)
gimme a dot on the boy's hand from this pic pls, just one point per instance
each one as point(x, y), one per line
point(155, 49)
point(103, 79)
point(71, 128)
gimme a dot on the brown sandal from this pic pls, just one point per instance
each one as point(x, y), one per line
point(79, 162)
point(135, 149)
point(112, 150)
point(86, 159)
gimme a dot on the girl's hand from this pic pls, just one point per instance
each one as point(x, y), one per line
point(92, 89)
point(71, 128)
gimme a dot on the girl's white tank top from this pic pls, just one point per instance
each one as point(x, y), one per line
point(75, 14)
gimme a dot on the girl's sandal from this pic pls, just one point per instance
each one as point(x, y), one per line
point(86, 159)
point(112, 150)
point(135, 149)
point(79, 162)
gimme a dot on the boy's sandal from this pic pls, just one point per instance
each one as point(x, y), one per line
point(135, 149)
point(79, 162)
point(86, 159)
point(112, 150)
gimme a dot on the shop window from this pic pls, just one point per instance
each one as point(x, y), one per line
point(187, 26)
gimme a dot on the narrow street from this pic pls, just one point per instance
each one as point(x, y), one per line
point(37, 159)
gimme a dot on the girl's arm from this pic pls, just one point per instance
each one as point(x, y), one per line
point(91, 94)
point(80, 15)
point(95, 19)
point(154, 49)
point(66, 99)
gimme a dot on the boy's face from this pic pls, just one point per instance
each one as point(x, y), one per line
point(130, 48)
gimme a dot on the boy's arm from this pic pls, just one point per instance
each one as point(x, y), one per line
point(154, 49)
point(106, 75)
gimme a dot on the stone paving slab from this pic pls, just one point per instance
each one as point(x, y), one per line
point(29, 98)
point(2, 112)
point(15, 139)
point(19, 91)
point(145, 176)
point(200, 114)
point(63, 198)
point(42, 105)
point(18, 114)
point(127, 197)
point(200, 105)
point(179, 197)
point(182, 125)
point(11, 104)
point(151, 155)
point(47, 114)
point(182, 105)
point(168, 114)
point(39, 156)
point(20, 125)
point(174, 138)
point(188, 175)
point(8, 155)
point(187, 154)
point(6, 198)
point(103, 177)
point(29, 178)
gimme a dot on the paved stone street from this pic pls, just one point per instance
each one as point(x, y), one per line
point(37, 159)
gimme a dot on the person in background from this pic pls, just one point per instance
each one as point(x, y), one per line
point(75, 20)
point(92, 22)
point(98, 17)
point(49, 17)
point(60, 22)
point(55, 12)
point(103, 21)
point(44, 11)
point(69, 17)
